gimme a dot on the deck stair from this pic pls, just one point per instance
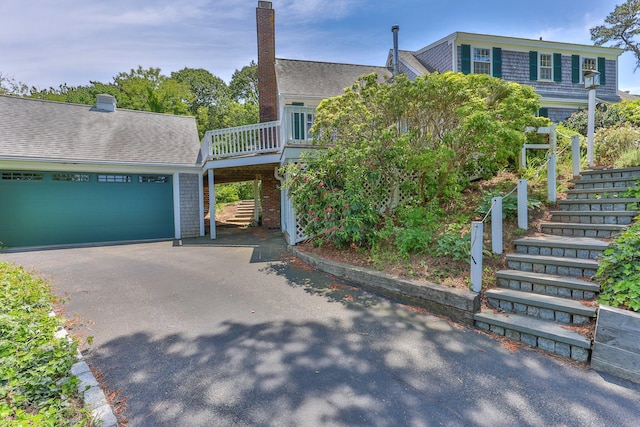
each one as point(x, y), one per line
point(548, 288)
point(245, 213)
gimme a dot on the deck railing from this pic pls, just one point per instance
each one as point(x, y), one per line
point(260, 138)
point(242, 140)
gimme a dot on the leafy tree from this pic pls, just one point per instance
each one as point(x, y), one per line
point(10, 86)
point(148, 90)
point(75, 94)
point(622, 26)
point(612, 115)
point(244, 84)
point(208, 89)
point(430, 129)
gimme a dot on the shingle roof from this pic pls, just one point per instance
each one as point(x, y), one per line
point(31, 128)
point(320, 79)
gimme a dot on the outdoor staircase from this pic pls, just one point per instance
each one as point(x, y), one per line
point(244, 215)
point(547, 292)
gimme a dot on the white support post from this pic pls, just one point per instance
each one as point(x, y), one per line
point(256, 201)
point(496, 225)
point(523, 220)
point(551, 178)
point(476, 255)
point(553, 138)
point(591, 119)
point(212, 205)
point(575, 155)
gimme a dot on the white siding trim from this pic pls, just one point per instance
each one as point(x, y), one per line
point(176, 205)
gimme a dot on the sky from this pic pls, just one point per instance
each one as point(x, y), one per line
point(46, 43)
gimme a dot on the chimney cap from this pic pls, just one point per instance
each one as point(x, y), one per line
point(395, 27)
point(265, 5)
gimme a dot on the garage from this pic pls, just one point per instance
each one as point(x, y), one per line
point(90, 174)
point(51, 208)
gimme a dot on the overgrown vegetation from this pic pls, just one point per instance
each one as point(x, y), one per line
point(619, 271)
point(229, 193)
point(398, 157)
point(36, 386)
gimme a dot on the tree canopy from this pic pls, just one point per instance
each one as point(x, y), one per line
point(622, 26)
point(189, 91)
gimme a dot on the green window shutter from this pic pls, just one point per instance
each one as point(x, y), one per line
point(575, 69)
point(533, 65)
point(497, 62)
point(466, 59)
point(298, 126)
point(601, 69)
point(543, 112)
point(557, 67)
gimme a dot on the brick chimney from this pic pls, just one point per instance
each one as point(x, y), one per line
point(267, 87)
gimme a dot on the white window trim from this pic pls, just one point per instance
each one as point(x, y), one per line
point(582, 70)
point(473, 62)
point(540, 67)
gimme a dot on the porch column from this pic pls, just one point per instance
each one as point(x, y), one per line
point(212, 206)
point(256, 201)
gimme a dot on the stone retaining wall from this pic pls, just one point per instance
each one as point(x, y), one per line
point(457, 304)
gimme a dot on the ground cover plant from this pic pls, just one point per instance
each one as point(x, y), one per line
point(36, 385)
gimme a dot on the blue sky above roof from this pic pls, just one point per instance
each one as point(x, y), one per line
point(45, 43)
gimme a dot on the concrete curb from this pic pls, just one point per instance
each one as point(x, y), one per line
point(92, 395)
point(457, 304)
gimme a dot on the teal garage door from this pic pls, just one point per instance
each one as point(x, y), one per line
point(52, 208)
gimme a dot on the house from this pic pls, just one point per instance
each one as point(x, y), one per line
point(555, 70)
point(82, 174)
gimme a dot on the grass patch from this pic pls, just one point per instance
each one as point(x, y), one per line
point(36, 385)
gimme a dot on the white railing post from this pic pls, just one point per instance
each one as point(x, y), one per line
point(551, 178)
point(575, 155)
point(476, 256)
point(523, 220)
point(212, 205)
point(496, 225)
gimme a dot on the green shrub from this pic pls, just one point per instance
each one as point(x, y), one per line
point(619, 271)
point(455, 244)
point(35, 367)
point(629, 158)
point(226, 193)
point(611, 143)
point(612, 115)
point(509, 203)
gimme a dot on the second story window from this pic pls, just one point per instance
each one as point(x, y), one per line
point(588, 64)
point(481, 60)
point(546, 67)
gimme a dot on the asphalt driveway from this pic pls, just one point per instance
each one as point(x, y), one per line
point(232, 332)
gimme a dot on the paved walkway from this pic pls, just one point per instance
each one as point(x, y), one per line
point(230, 333)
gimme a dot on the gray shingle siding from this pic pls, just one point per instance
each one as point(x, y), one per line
point(515, 67)
point(438, 57)
point(560, 114)
point(189, 205)
point(406, 71)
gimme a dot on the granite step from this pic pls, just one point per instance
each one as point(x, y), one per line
point(605, 183)
point(562, 266)
point(537, 333)
point(547, 284)
point(604, 231)
point(611, 173)
point(594, 217)
point(561, 246)
point(602, 204)
point(546, 307)
point(596, 193)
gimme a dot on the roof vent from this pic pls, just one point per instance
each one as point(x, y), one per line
point(395, 30)
point(106, 102)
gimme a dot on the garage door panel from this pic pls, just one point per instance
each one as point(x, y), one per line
point(48, 212)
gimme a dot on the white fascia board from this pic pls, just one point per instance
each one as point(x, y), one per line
point(520, 44)
point(563, 102)
point(22, 163)
point(260, 159)
point(291, 97)
point(448, 39)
